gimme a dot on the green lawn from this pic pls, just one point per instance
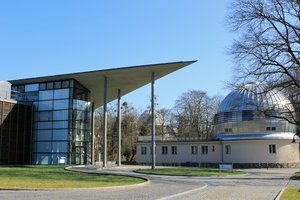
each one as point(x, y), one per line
point(191, 171)
point(45, 176)
point(291, 194)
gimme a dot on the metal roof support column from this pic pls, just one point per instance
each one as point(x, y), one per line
point(153, 119)
point(104, 142)
point(93, 135)
point(119, 128)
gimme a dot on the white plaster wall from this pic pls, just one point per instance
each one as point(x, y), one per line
point(257, 151)
point(254, 151)
point(184, 153)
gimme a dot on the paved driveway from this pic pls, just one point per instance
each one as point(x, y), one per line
point(257, 184)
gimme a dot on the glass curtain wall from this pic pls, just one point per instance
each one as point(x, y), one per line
point(61, 121)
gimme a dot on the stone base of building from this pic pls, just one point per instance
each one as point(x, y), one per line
point(235, 165)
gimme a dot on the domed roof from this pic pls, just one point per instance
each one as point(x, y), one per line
point(252, 96)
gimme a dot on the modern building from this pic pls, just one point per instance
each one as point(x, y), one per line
point(245, 135)
point(62, 109)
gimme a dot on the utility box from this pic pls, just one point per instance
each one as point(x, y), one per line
point(5, 90)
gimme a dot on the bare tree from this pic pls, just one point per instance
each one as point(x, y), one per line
point(194, 113)
point(268, 48)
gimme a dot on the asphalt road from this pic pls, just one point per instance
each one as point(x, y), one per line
point(257, 184)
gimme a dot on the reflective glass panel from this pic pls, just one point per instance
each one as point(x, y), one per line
point(43, 146)
point(44, 125)
point(61, 94)
point(60, 124)
point(44, 135)
point(60, 146)
point(60, 134)
point(31, 87)
point(46, 105)
point(42, 158)
point(46, 95)
point(61, 115)
point(44, 116)
point(61, 104)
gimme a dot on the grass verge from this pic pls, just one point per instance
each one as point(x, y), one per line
point(191, 171)
point(41, 176)
point(290, 194)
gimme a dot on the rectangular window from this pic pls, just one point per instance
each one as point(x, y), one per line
point(164, 150)
point(57, 85)
point(46, 95)
point(46, 105)
point(213, 148)
point(61, 94)
point(204, 149)
point(194, 150)
point(49, 86)
point(31, 87)
point(44, 125)
point(42, 135)
point(228, 149)
point(228, 130)
point(143, 150)
point(65, 84)
point(44, 116)
point(272, 148)
point(61, 115)
point(174, 150)
point(60, 134)
point(61, 104)
point(60, 124)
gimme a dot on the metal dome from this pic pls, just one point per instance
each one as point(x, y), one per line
point(252, 96)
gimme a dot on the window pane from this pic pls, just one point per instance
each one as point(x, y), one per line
point(65, 84)
point(60, 146)
point(58, 156)
point(57, 85)
point(42, 86)
point(31, 87)
point(43, 146)
point(46, 95)
point(61, 94)
point(61, 115)
point(49, 86)
point(60, 124)
point(61, 104)
point(61, 134)
point(44, 125)
point(42, 158)
point(44, 135)
point(46, 105)
point(44, 116)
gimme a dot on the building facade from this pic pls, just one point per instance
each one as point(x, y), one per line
point(246, 134)
point(62, 120)
point(62, 113)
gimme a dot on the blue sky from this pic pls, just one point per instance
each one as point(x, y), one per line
point(39, 38)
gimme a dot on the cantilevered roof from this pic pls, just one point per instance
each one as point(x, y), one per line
point(127, 79)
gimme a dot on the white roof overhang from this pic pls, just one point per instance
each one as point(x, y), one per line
point(126, 79)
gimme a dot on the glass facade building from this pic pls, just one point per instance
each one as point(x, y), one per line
point(61, 121)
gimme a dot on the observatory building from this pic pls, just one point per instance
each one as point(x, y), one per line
point(248, 133)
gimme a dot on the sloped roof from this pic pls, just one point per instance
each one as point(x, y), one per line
point(127, 79)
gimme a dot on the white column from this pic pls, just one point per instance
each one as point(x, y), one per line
point(119, 128)
point(153, 119)
point(104, 142)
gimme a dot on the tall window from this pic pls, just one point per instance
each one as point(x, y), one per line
point(174, 150)
point(213, 148)
point(164, 150)
point(272, 148)
point(143, 150)
point(204, 149)
point(194, 150)
point(228, 149)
